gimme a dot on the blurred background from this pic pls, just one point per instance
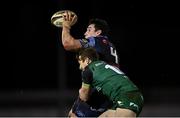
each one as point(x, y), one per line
point(40, 78)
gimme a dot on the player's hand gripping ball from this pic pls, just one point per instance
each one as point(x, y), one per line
point(58, 18)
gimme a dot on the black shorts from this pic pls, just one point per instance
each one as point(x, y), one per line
point(95, 106)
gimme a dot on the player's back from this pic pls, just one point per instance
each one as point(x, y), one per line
point(110, 79)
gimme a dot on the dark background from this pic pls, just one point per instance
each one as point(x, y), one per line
point(38, 72)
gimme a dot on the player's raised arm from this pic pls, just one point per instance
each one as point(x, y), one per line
point(68, 41)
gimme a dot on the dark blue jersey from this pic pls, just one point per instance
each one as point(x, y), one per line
point(106, 50)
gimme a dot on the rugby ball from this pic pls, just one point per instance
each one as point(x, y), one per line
point(57, 18)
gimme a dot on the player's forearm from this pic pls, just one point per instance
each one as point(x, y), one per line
point(84, 94)
point(68, 41)
point(66, 37)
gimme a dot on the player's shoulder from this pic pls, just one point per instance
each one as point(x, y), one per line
point(96, 63)
point(97, 37)
point(87, 72)
point(101, 37)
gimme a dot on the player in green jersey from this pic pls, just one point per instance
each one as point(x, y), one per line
point(110, 81)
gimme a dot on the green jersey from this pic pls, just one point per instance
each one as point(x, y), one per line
point(107, 79)
point(114, 84)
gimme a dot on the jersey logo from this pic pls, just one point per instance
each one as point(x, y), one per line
point(85, 40)
point(120, 103)
point(134, 105)
point(98, 64)
point(98, 88)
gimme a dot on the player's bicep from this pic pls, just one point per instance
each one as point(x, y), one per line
point(77, 44)
point(87, 77)
point(72, 44)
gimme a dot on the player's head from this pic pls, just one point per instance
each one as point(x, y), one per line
point(96, 27)
point(86, 56)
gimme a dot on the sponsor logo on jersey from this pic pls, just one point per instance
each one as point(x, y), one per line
point(120, 103)
point(98, 88)
point(99, 64)
point(85, 40)
point(134, 105)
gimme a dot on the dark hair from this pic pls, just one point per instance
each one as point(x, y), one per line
point(100, 24)
point(88, 53)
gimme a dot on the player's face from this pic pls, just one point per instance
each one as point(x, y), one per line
point(91, 32)
point(82, 64)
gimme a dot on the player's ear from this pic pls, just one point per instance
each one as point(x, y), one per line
point(98, 32)
point(88, 61)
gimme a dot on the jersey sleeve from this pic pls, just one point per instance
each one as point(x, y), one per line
point(87, 76)
point(85, 43)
